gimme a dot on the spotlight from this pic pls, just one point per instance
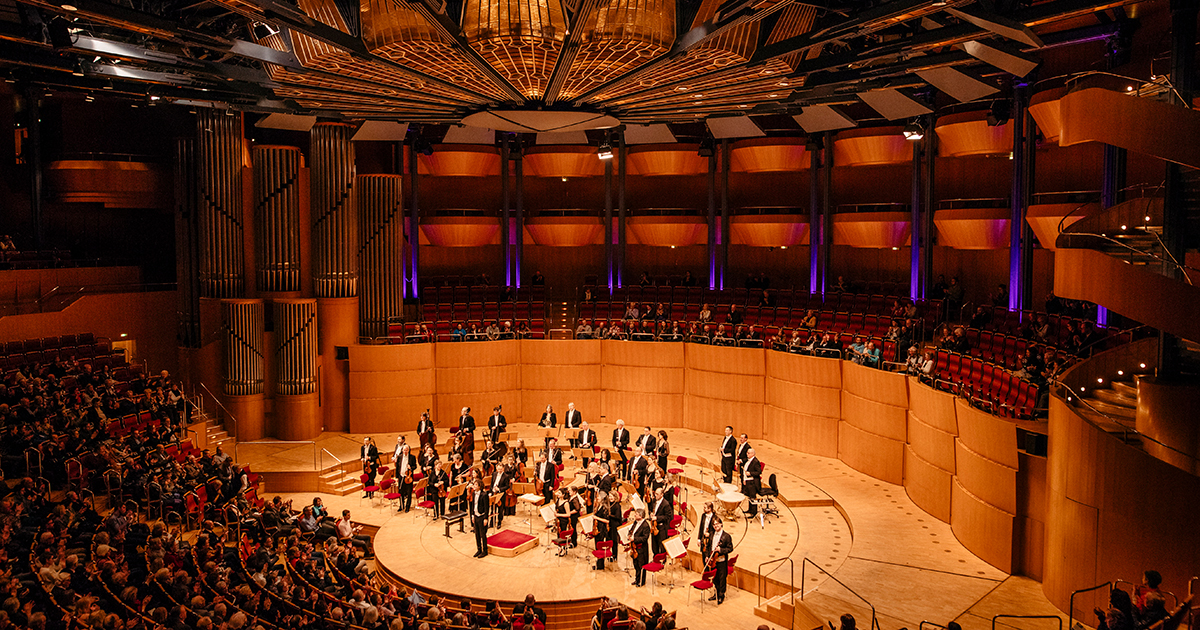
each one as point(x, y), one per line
point(914, 131)
point(707, 148)
point(77, 71)
point(604, 152)
point(999, 114)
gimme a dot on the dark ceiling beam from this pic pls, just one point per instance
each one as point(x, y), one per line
point(863, 20)
point(584, 14)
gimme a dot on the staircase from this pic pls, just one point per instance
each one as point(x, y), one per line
point(1117, 407)
point(340, 478)
point(562, 310)
point(780, 609)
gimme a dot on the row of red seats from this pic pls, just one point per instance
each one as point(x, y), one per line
point(788, 298)
point(442, 329)
point(1002, 392)
point(466, 294)
point(487, 311)
point(45, 343)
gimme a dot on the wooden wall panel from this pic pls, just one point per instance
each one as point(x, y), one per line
point(552, 377)
point(988, 481)
point(984, 530)
point(668, 355)
point(639, 409)
point(710, 415)
point(874, 455)
point(389, 387)
point(750, 361)
point(931, 444)
point(873, 417)
point(385, 415)
point(391, 358)
point(934, 407)
point(927, 485)
point(733, 387)
point(650, 380)
point(795, 368)
point(391, 384)
point(989, 436)
point(889, 388)
point(816, 435)
point(1029, 538)
point(477, 354)
point(805, 399)
point(560, 352)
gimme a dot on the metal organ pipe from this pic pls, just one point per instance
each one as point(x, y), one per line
point(334, 211)
point(219, 164)
point(295, 346)
point(187, 252)
point(242, 329)
point(381, 224)
point(277, 217)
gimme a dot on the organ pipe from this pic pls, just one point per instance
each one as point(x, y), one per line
point(334, 211)
point(242, 329)
point(186, 245)
point(219, 166)
point(295, 346)
point(381, 223)
point(277, 217)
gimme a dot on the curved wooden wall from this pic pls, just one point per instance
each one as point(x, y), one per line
point(958, 464)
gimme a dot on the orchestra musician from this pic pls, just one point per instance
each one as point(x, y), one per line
point(743, 450)
point(370, 469)
point(751, 481)
point(405, 464)
point(520, 453)
point(554, 454)
point(620, 441)
point(728, 454)
point(502, 481)
point(439, 485)
point(497, 424)
point(548, 421)
point(368, 452)
point(572, 422)
point(565, 511)
point(401, 442)
point(601, 512)
point(720, 545)
point(661, 512)
point(458, 474)
point(466, 422)
point(546, 474)
point(429, 460)
point(704, 528)
point(637, 470)
point(425, 431)
point(604, 480)
point(491, 456)
point(480, 510)
point(464, 446)
point(587, 439)
point(615, 518)
point(664, 450)
point(640, 536)
point(577, 508)
point(646, 442)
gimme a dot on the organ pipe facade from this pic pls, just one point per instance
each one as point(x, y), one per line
point(295, 346)
point(277, 218)
point(334, 211)
point(219, 200)
point(187, 255)
point(381, 224)
point(242, 328)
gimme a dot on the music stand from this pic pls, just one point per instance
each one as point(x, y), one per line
point(495, 500)
point(506, 436)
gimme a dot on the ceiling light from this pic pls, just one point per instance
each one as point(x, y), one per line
point(938, 3)
point(672, 247)
point(1143, 365)
point(1128, 88)
point(913, 131)
point(1147, 218)
point(783, 247)
point(782, 84)
point(69, 7)
point(743, 105)
point(697, 96)
point(564, 179)
point(682, 88)
point(605, 152)
point(107, 85)
point(767, 71)
point(1120, 372)
point(1122, 227)
point(895, 249)
point(78, 70)
point(772, 95)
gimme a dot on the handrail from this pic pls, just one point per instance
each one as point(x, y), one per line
point(1071, 611)
point(276, 443)
point(806, 562)
point(325, 451)
point(1054, 617)
point(791, 583)
point(921, 626)
point(231, 416)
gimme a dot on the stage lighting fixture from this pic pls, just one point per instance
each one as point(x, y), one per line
point(707, 147)
point(913, 131)
point(604, 152)
point(1000, 112)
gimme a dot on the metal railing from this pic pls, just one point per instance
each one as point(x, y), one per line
point(874, 616)
point(929, 624)
point(1054, 617)
point(216, 400)
point(791, 582)
point(324, 452)
point(1071, 611)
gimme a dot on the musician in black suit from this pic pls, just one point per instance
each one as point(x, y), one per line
point(743, 450)
point(480, 510)
point(572, 421)
point(549, 421)
point(368, 452)
point(546, 473)
point(425, 431)
point(578, 507)
point(439, 484)
point(752, 481)
point(704, 528)
point(616, 518)
point(497, 424)
point(728, 454)
point(647, 443)
point(553, 453)
point(640, 536)
point(620, 441)
point(587, 439)
point(605, 481)
point(717, 553)
point(502, 480)
point(406, 466)
point(662, 513)
point(466, 422)
point(637, 469)
point(458, 474)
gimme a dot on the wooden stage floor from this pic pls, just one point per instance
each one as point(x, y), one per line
point(864, 532)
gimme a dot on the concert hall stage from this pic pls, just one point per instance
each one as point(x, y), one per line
point(866, 533)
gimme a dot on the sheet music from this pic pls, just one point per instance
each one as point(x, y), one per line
point(623, 531)
point(674, 546)
point(547, 512)
point(587, 523)
point(637, 502)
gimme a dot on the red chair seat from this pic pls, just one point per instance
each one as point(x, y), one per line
point(653, 567)
point(371, 489)
point(702, 584)
point(674, 471)
point(392, 496)
point(426, 505)
point(602, 553)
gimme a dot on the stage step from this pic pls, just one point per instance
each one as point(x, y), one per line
point(1129, 389)
point(1115, 397)
point(780, 610)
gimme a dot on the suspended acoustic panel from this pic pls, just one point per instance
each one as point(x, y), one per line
point(818, 118)
point(116, 184)
point(1045, 219)
point(620, 36)
point(562, 161)
point(1044, 107)
point(649, 134)
point(334, 211)
point(460, 160)
point(668, 231)
point(872, 147)
point(724, 127)
point(295, 346)
point(769, 155)
point(242, 347)
point(566, 231)
point(219, 164)
point(381, 213)
point(561, 137)
point(461, 231)
point(187, 279)
point(872, 229)
point(461, 134)
point(894, 104)
point(958, 85)
point(381, 131)
point(521, 39)
point(653, 160)
point(769, 230)
point(277, 217)
point(973, 228)
point(968, 133)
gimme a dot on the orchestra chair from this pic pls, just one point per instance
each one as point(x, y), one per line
point(703, 584)
point(729, 575)
point(563, 542)
point(654, 567)
point(366, 489)
point(424, 503)
point(394, 495)
point(676, 472)
point(766, 501)
point(604, 551)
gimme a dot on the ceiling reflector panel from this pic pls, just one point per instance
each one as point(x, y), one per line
point(649, 134)
point(382, 130)
point(734, 127)
point(894, 105)
point(817, 118)
point(962, 87)
point(1003, 57)
point(289, 122)
point(469, 135)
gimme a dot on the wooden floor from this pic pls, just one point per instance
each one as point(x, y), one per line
point(865, 533)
